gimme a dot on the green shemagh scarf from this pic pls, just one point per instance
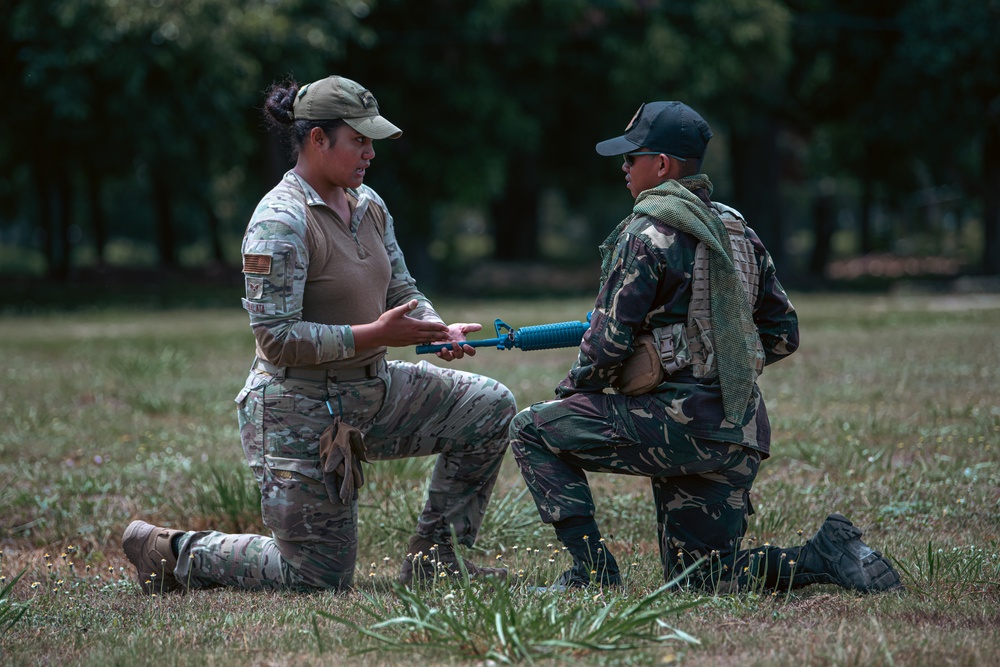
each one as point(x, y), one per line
point(732, 318)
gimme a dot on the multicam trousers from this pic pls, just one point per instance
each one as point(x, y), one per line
point(408, 410)
point(700, 487)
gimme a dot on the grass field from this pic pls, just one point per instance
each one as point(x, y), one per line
point(889, 413)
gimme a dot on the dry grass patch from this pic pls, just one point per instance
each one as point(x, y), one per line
point(890, 414)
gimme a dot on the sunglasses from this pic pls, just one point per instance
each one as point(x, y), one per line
point(630, 157)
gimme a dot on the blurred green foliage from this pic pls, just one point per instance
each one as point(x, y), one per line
point(137, 125)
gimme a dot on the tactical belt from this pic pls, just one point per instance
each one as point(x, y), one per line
point(321, 374)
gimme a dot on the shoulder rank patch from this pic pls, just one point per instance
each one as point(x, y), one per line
point(255, 287)
point(259, 264)
point(259, 307)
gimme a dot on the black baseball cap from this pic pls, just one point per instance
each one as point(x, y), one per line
point(673, 128)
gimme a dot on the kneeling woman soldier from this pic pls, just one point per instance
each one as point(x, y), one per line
point(328, 292)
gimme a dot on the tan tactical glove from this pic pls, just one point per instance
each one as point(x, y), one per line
point(341, 451)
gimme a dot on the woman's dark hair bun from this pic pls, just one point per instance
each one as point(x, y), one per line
point(279, 102)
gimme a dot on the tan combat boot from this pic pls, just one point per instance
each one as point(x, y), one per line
point(148, 547)
point(426, 560)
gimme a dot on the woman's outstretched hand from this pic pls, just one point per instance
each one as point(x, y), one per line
point(456, 336)
point(395, 328)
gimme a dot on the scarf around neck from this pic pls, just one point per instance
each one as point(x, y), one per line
point(735, 335)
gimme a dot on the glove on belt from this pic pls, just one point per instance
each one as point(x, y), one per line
point(341, 451)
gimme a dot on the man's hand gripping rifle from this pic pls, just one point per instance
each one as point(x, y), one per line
point(538, 337)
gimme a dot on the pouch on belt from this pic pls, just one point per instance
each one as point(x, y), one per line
point(642, 371)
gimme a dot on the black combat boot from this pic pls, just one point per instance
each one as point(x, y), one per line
point(593, 563)
point(836, 555)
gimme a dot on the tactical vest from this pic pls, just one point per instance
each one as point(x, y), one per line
point(692, 344)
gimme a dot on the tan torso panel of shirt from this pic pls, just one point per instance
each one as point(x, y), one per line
point(348, 273)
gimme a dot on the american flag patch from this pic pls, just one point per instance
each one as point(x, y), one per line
point(259, 264)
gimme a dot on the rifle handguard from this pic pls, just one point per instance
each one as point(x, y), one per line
point(537, 337)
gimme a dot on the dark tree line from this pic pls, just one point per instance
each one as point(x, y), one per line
point(141, 119)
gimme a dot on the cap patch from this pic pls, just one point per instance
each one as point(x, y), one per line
point(259, 264)
point(638, 113)
point(367, 100)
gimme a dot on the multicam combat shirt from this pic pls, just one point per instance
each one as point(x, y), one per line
point(649, 287)
point(310, 275)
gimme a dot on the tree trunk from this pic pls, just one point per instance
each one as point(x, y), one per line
point(991, 199)
point(63, 195)
point(214, 231)
point(865, 244)
point(95, 211)
point(44, 217)
point(824, 224)
point(54, 218)
point(163, 211)
point(515, 216)
point(276, 160)
point(756, 174)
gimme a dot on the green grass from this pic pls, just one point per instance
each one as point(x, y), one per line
point(509, 624)
point(890, 413)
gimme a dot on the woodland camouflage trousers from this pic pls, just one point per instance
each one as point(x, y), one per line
point(700, 487)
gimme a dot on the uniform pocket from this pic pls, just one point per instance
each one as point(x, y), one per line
point(285, 468)
point(250, 413)
point(294, 503)
point(255, 380)
point(292, 417)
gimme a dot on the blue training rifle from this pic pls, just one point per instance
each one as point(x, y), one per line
point(538, 337)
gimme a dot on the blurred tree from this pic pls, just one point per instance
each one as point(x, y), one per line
point(949, 77)
point(742, 50)
point(870, 82)
point(490, 96)
point(160, 94)
point(51, 52)
point(844, 56)
point(501, 102)
point(193, 72)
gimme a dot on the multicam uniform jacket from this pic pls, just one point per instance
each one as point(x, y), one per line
point(299, 316)
point(648, 289)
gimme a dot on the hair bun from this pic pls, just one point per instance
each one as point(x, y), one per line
point(280, 101)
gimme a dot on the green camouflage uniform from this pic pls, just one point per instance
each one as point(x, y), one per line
point(701, 466)
point(402, 410)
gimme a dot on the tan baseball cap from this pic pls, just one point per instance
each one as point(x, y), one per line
point(337, 98)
